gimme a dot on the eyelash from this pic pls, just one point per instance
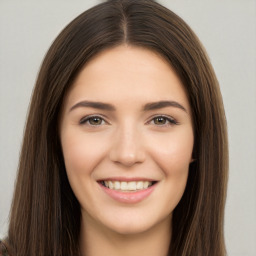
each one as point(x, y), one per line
point(168, 120)
point(86, 120)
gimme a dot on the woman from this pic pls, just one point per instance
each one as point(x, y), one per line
point(125, 143)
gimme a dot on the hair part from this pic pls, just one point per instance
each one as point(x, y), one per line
point(45, 214)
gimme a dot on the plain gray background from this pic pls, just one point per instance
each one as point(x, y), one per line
point(227, 28)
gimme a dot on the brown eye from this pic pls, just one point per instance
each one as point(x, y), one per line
point(93, 121)
point(160, 120)
point(163, 121)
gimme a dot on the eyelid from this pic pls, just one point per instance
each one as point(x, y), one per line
point(84, 119)
point(170, 119)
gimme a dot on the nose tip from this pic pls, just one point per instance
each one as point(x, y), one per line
point(127, 150)
point(127, 159)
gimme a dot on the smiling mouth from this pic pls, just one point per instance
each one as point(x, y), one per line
point(130, 186)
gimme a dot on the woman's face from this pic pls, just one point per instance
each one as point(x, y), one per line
point(127, 139)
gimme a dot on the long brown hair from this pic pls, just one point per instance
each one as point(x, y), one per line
point(45, 214)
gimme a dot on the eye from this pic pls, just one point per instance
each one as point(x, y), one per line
point(92, 121)
point(163, 121)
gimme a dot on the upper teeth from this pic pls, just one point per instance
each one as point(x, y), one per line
point(127, 186)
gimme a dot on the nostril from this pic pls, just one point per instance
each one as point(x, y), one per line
point(126, 149)
point(127, 159)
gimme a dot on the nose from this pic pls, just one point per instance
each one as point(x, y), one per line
point(127, 147)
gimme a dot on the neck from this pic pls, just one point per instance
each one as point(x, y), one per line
point(95, 241)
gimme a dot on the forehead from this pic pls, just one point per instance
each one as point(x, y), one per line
point(127, 73)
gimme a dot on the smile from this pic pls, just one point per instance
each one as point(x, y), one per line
point(127, 186)
point(128, 191)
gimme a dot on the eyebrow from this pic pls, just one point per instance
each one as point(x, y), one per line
point(94, 104)
point(163, 104)
point(109, 107)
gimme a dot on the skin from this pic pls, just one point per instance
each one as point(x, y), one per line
point(127, 141)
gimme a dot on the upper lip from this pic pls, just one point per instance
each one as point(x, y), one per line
point(127, 179)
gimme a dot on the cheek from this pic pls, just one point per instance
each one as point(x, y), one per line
point(81, 156)
point(174, 154)
point(173, 157)
point(81, 153)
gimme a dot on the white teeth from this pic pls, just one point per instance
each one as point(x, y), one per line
point(145, 184)
point(132, 185)
point(117, 185)
point(124, 185)
point(110, 185)
point(127, 186)
point(139, 185)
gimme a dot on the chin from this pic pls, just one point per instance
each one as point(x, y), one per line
point(130, 228)
point(135, 225)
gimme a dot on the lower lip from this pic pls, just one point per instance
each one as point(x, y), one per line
point(128, 197)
